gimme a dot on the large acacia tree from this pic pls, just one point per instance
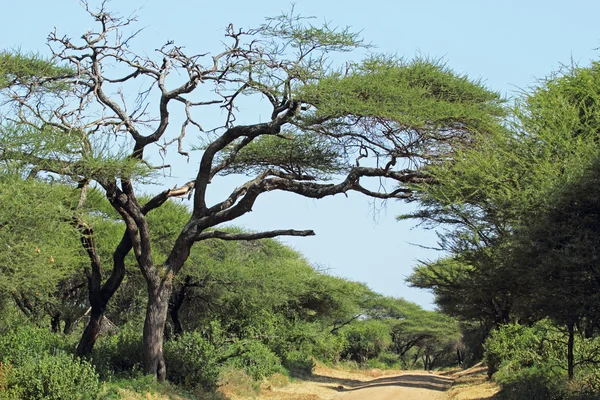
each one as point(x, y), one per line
point(380, 119)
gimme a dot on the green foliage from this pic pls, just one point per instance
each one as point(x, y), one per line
point(561, 243)
point(385, 360)
point(53, 377)
point(192, 360)
point(366, 340)
point(584, 386)
point(418, 95)
point(119, 354)
point(144, 386)
point(304, 154)
point(517, 209)
point(515, 347)
point(328, 348)
point(38, 245)
point(24, 342)
point(536, 383)
point(298, 362)
point(18, 68)
point(257, 360)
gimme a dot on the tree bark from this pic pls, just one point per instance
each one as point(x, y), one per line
point(175, 305)
point(91, 332)
point(99, 294)
point(154, 326)
point(570, 356)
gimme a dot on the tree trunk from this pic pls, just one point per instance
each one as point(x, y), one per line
point(91, 332)
point(175, 304)
point(154, 326)
point(570, 345)
point(459, 357)
point(55, 323)
point(99, 294)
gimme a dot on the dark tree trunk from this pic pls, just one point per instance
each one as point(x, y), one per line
point(459, 356)
point(68, 326)
point(99, 294)
point(175, 305)
point(154, 326)
point(91, 332)
point(55, 323)
point(570, 345)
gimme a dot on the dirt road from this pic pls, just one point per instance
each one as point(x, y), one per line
point(332, 384)
point(409, 386)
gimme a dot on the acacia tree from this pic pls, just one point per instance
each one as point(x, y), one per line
point(391, 115)
point(521, 207)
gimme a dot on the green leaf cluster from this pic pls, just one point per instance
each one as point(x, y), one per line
point(19, 68)
point(419, 95)
point(294, 153)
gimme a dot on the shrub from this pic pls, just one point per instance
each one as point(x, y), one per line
point(298, 362)
point(141, 387)
point(328, 348)
point(533, 383)
point(53, 377)
point(257, 360)
point(4, 374)
point(365, 340)
point(237, 382)
point(191, 361)
point(585, 386)
point(26, 342)
point(120, 353)
point(386, 360)
point(523, 347)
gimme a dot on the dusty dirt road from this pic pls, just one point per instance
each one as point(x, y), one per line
point(409, 386)
point(331, 384)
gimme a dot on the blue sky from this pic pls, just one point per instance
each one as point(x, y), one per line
point(507, 44)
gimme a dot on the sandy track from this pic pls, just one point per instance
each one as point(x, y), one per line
point(331, 384)
point(409, 386)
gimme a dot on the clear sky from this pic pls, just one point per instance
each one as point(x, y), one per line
point(507, 44)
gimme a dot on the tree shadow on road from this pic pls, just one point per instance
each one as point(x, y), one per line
point(423, 381)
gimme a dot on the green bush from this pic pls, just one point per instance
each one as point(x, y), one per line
point(386, 360)
point(328, 348)
point(119, 354)
point(585, 386)
point(191, 361)
point(26, 342)
point(366, 340)
point(533, 383)
point(298, 362)
point(53, 377)
point(257, 360)
point(144, 386)
point(523, 347)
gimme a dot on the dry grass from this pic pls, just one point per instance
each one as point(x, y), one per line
point(472, 384)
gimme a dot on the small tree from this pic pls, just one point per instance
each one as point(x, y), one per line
point(324, 123)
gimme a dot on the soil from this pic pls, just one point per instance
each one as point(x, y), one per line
point(331, 384)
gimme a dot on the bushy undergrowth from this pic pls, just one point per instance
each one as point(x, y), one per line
point(192, 361)
point(529, 363)
point(37, 365)
point(257, 360)
point(25, 342)
point(53, 377)
point(366, 340)
point(119, 354)
point(298, 362)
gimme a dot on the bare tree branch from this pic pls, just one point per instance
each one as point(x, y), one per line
point(251, 236)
